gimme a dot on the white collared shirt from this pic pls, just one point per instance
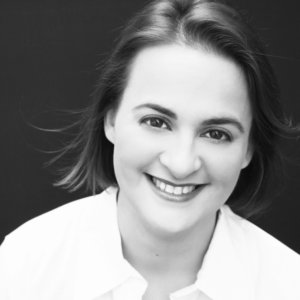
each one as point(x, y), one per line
point(74, 253)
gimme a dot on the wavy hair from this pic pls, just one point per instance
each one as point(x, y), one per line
point(208, 24)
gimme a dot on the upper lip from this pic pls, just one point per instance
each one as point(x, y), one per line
point(172, 183)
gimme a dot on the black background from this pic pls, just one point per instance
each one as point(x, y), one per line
point(49, 55)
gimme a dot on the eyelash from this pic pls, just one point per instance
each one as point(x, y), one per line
point(164, 125)
point(148, 120)
point(226, 137)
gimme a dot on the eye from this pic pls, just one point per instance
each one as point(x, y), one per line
point(155, 122)
point(218, 135)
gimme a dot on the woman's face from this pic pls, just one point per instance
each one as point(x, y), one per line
point(180, 135)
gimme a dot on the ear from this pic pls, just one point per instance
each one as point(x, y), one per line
point(109, 126)
point(248, 156)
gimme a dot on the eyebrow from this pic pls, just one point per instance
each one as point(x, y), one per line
point(158, 108)
point(224, 121)
point(209, 122)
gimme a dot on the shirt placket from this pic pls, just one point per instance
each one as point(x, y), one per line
point(189, 293)
point(133, 288)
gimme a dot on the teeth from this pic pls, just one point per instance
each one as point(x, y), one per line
point(185, 190)
point(169, 189)
point(162, 186)
point(174, 190)
point(178, 190)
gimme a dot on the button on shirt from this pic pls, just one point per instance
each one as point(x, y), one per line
point(74, 252)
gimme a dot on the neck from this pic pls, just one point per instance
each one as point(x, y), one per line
point(163, 254)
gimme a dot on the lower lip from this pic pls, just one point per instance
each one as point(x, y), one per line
point(175, 198)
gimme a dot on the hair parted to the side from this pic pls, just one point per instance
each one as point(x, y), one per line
point(207, 24)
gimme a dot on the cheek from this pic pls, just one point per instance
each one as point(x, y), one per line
point(225, 166)
point(133, 150)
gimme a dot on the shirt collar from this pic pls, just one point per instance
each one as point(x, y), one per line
point(100, 263)
point(225, 273)
point(101, 266)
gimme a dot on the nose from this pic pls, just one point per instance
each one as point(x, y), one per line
point(181, 159)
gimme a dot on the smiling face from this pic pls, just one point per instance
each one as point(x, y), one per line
point(181, 137)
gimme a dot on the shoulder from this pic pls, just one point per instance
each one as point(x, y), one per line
point(63, 219)
point(49, 247)
point(274, 266)
point(58, 230)
point(250, 234)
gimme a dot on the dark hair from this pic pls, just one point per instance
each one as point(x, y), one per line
point(213, 26)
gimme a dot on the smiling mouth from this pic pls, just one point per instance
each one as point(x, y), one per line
point(173, 190)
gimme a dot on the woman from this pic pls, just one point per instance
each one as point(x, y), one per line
point(182, 133)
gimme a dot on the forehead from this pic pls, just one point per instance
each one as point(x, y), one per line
point(181, 77)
